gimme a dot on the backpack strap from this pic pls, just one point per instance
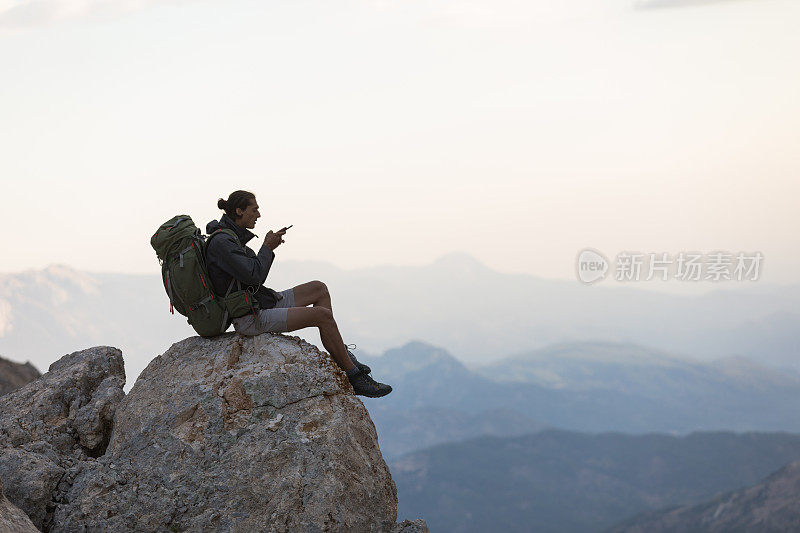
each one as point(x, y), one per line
point(184, 251)
point(225, 315)
point(235, 238)
point(227, 231)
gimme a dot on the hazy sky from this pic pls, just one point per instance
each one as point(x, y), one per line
point(396, 131)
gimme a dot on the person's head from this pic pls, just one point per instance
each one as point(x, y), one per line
point(242, 207)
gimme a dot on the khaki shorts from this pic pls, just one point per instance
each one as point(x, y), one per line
point(269, 320)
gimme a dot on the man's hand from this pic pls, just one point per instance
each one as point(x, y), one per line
point(274, 239)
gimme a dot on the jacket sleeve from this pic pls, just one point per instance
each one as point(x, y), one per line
point(233, 260)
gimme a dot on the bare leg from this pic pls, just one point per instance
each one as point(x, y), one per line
point(312, 293)
point(322, 318)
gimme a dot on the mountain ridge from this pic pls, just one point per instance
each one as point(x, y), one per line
point(564, 481)
point(45, 312)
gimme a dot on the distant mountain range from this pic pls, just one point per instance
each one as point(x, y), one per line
point(470, 441)
point(559, 481)
point(15, 375)
point(562, 481)
point(587, 387)
point(771, 505)
point(522, 476)
point(404, 430)
point(480, 315)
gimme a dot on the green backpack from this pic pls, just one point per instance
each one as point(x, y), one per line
point(181, 251)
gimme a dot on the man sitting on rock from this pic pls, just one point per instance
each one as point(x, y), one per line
point(278, 311)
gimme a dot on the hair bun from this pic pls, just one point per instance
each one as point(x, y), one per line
point(222, 204)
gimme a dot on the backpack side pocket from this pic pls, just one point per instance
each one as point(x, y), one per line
point(239, 303)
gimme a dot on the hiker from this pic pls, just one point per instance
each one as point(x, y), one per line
point(278, 311)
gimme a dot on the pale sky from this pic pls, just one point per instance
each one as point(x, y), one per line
point(393, 132)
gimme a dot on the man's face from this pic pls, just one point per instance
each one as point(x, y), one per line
point(249, 215)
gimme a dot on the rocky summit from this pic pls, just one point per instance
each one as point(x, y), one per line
point(232, 433)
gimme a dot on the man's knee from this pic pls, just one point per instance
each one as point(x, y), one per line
point(320, 288)
point(322, 316)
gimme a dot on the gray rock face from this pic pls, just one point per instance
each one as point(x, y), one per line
point(12, 519)
point(15, 375)
point(49, 427)
point(236, 434)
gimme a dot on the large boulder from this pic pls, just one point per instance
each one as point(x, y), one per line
point(237, 434)
point(50, 426)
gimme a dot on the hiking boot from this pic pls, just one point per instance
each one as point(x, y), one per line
point(362, 366)
point(364, 385)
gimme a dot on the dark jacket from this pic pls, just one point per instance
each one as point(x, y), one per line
point(226, 259)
